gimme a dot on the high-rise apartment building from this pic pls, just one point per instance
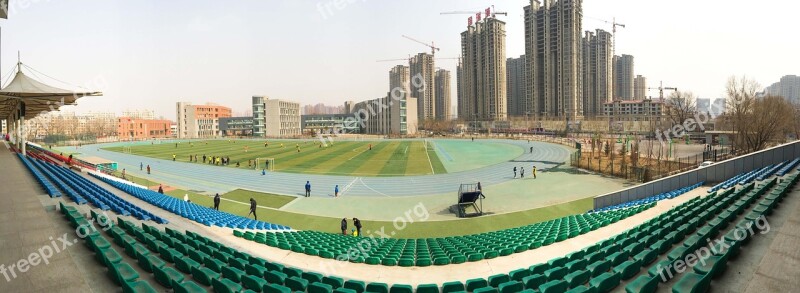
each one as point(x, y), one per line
point(788, 87)
point(442, 94)
point(199, 121)
point(275, 118)
point(553, 48)
point(597, 72)
point(515, 80)
point(623, 77)
point(639, 88)
point(400, 80)
point(482, 74)
point(422, 70)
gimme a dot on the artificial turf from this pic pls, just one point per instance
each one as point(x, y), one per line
point(385, 158)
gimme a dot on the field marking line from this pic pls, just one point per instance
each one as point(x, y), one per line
point(356, 155)
point(429, 157)
point(370, 188)
point(405, 151)
point(349, 185)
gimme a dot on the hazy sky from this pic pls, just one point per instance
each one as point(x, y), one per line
point(150, 54)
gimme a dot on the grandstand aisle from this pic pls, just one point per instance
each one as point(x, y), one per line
point(771, 261)
point(28, 219)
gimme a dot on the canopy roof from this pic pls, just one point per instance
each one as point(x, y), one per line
point(38, 97)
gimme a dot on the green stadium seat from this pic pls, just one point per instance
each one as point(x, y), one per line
point(275, 277)
point(378, 287)
point(401, 288)
point(318, 287)
point(226, 286)
point(188, 287)
point(204, 275)
point(137, 286)
point(605, 282)
point(344, 290)
point(296, 284)
point(510, 287)
point(334, 282)
point(555, 286)
point(539, 268)
point(254, 283)
point(357, 286)
point(185, 264)
point(582, 289)
point(149, 261)
point(485, 290)
point(534, 281)
point(577, 278)
point(555, 273)
point(692, 282)
point(454, 286)
point(628, 269)
point(576, 265)
point(167, 276)
point(473, 284)
point(599, 267)
point(643, 284)
point(276, 288)
point(122, 272)
point(428, 288)
point(234, 274)
point(496, 280)
point(519, 274)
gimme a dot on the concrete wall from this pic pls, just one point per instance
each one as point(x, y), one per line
point(711, 175)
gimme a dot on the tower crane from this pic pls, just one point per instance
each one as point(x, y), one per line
point(661, 89)
point(431, 45)
point(488, 11)
point(614, 24)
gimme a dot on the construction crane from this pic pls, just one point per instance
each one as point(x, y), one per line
point(614, 24)
point(661, 89)
point(431, 45)
point(406, 59)
point(488, 11)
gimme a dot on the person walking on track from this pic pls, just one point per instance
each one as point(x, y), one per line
point(515, 171)
point(308, 188)
point(534, 172)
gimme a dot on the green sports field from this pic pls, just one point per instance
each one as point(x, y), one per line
point(386, 158)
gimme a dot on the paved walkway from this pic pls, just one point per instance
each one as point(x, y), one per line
point(213, 179)
point(28, 223)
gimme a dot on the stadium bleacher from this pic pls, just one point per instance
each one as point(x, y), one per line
point(189, 262)
point(650, 199)
point(447, 250)
point(204, 215)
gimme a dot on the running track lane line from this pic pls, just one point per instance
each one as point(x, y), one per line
point(370, 188)
point(349, 184)
point(429, 157)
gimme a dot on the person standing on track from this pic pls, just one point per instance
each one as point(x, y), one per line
point(336, 191)
point(216, 201)
point(534, 172)
point(515, 171)
point(141, 166)
point(521, 172)
point(253, 206)
point(308, 188)
point(148, 169)
point(531, 150)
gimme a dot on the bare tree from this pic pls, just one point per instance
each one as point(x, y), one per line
point(740, 94)
point(680, 106)
point(769, 120)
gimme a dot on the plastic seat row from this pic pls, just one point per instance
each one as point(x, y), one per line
point(204, 215)
point(82, 190)
point(51, 190)
point(788, 167)
point(740, 179)
point(446, 250)
point(650, 199)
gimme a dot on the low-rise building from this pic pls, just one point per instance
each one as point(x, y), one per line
point(275, 118)
point(236, 126)
point(634, 110)
point(329, 123)
point(200, 121)
point(139, 129)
